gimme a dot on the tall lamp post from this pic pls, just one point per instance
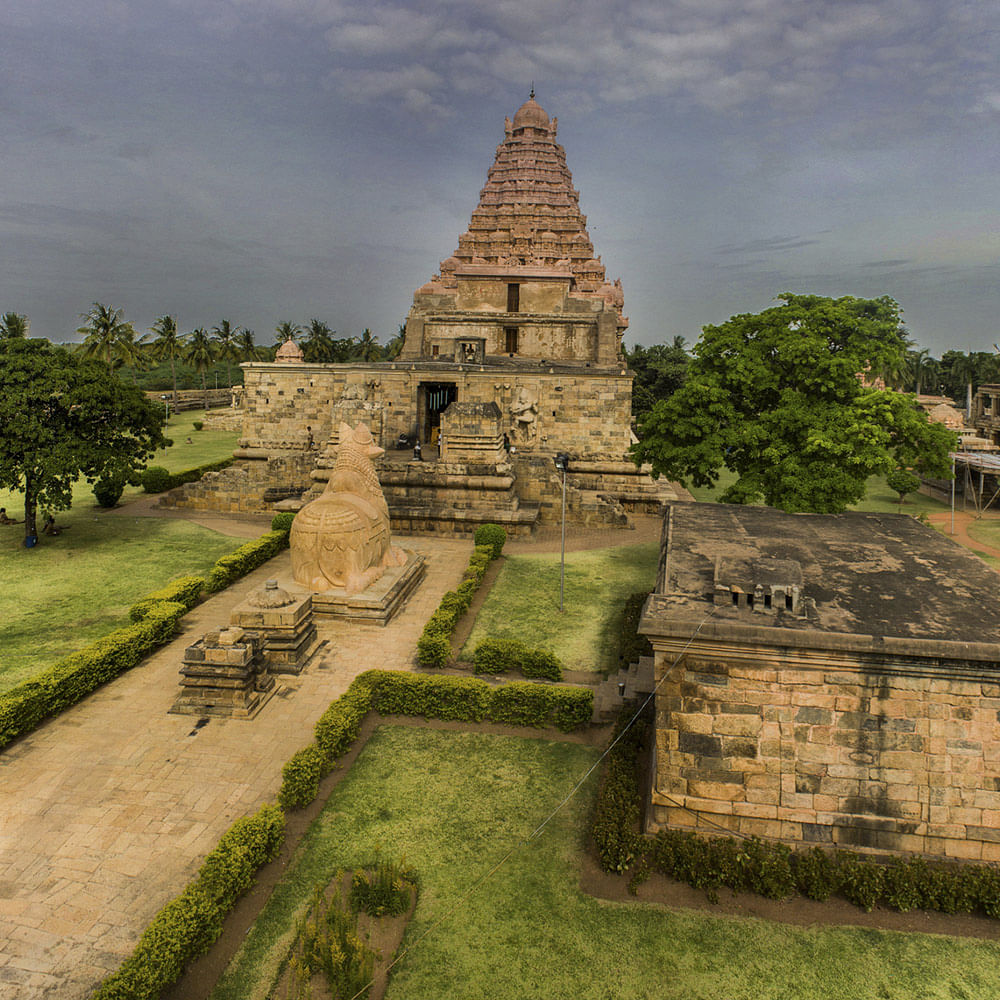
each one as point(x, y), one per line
point(166, 408)
point(562, 464)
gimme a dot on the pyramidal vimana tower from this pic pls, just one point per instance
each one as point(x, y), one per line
point(512, 356)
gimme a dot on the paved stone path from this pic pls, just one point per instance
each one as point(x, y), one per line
point(107, 811)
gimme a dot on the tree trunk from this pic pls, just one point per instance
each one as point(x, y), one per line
point(30, 503)
point(173, 372)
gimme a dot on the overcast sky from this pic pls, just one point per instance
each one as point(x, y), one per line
point(261, 160)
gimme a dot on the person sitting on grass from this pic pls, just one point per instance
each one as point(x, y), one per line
point(4, 519)
point(50, 527)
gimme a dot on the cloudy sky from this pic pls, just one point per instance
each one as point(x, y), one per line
point(261, 160)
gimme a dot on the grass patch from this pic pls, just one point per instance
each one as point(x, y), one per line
point(879, 499)
point(524, 603)
point(454, 803)
point(70, 590)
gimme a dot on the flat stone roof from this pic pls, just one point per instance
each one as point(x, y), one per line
point(861, 577)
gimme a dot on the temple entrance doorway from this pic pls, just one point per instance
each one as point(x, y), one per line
point(433, 398)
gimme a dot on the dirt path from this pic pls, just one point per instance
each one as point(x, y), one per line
point(963, 519)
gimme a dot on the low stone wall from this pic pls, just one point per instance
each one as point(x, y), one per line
point(818, 746)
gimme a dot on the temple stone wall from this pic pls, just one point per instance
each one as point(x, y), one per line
point(888, 754)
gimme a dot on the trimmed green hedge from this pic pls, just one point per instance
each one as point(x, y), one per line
point(246, 558)
point(75, 676)
point(184, 590)
point(434, 644)
point(491, 536)
point(462, 699)
point(497, 656)
point(188, 925)
point(770, 869)
point(282, 521)
point(157, 479)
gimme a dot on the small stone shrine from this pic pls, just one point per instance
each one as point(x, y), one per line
point(285, 625)
point(827, 679)
point(224, 677)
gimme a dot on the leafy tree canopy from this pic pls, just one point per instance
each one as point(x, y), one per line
point(659, 370)
point(776, 398)
point(65, 416)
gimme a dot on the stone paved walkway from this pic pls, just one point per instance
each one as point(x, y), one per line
point(107, 811)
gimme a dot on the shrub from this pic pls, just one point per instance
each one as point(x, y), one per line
point(491, 535)
point(300, 777)
point(817, 876)
point(155, 479)
point(464, 699)
point(282, 521)
point(75, 676)
point(184, 590)
point(522, 703)
point(245, 559)
point(631, 645)
point(198, 424)
point(188, 924)
point(434, 649)
point(108, 490)
point(339, 725)
point(497, 656)
point(861, 880)
point(902, 481)
point(384, 891)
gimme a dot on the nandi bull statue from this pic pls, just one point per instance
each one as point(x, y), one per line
point(341, 539)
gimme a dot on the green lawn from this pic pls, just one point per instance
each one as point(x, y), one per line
point(70, 590)
point(453, 804)
point(524, 603)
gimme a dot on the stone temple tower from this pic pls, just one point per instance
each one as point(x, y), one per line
point(524, 282)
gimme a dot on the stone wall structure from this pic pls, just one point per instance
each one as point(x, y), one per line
point(520, 318)
point(825, 679)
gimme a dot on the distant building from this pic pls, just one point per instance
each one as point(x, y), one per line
point(986, 413)
point(512, 354)
point(825, 679)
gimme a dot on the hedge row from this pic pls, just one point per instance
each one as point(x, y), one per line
point(157, 479)
point(246, 558)
point(498, 656)
point(75, 676)
point(185, 590)
point(462, 699)
point(631, 644)
point(770, 869)
point(434, 644)
point(188, 925)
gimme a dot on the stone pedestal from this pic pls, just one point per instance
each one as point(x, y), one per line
point(223, 676)
point(284, 624)
point(377, 604)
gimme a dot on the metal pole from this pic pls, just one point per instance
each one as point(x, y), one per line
point(953, 496)
point(562, 568)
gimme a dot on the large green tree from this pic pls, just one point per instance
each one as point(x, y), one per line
point(65, 416)
point(776, 398)
point(227, 346)
point(659, 370)
point(200, 353)
point(318, 343)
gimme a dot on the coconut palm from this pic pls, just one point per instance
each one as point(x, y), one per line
point(130, 352)
point(394, 348)
point(249, 351)
point(13, 325)
point(226, 346)
point(104, 332)
point(369, 348)
point(318, 344)
point(286, 331)
point(168, 345)
point(200, 353)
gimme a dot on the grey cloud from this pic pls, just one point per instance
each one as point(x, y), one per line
point(771, 244)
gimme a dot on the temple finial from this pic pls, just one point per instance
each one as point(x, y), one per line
point(531, 96)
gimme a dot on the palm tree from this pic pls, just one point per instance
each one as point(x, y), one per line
point(964, 368)
point(922, 368)
point(368, 346)
point(200, 353)
point(317, 345)
point(130, 352)
point(286, 331)
point(249, 351)
point(13, 325)
point(226, 349)
point(169, 344)
point(394, 348)
point(104, 332)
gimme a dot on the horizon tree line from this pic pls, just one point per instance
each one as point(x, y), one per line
point(110, 338)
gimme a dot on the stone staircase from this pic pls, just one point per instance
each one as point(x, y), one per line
point(636, 681)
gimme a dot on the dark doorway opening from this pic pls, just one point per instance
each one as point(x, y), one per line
point(510, 339)
point(435, 398)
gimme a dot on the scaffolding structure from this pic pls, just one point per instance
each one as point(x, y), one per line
point(988, 467)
